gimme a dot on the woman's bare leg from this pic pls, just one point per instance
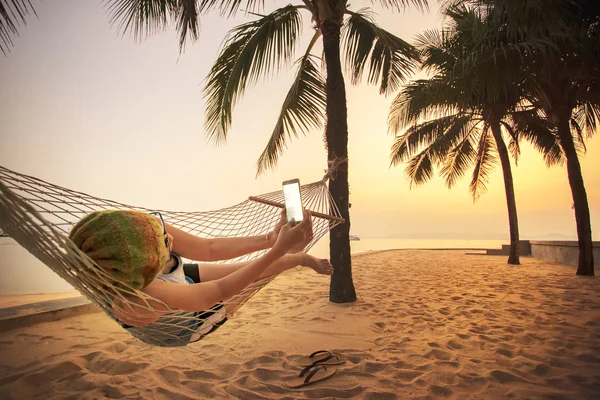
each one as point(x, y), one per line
point(210, 272)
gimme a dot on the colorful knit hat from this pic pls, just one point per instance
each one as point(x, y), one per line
point(129, 246)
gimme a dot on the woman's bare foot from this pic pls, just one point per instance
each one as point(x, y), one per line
point(319, 265)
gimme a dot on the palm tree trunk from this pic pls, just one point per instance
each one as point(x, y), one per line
point(341, 288)
point(580, 201)
point(513, 222)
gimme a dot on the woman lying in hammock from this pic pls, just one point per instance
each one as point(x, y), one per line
point(140, 251)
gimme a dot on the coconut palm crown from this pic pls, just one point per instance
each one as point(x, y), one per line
point(262, 47)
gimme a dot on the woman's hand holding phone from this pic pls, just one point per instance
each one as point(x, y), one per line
point(291, 235)
point(274, 234)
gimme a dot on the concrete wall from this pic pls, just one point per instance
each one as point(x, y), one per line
point(22, 273)
point(565, 252)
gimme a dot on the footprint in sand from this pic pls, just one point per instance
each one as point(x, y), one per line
point(380, 396)
point(266, 375)
point(452, 365)
point(588, 358)
point(505, 352)
point(407, 376)
point(439, 354)
point(202, 375)
point(99, 363)
point(558, 383)
point(504, 377)
point(489, 338)
point(382, 341)
point(206, 388)
point(441, 391)
point(167, 375)
point(374, 367)
point(380, 325)
point(455, 345)
point(542, 370)
point(263, 360)
point(445, 311)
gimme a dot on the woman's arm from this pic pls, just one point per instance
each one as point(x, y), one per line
point(201, 249)
point(201, 296)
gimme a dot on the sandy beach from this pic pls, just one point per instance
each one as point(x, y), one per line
point(427, 324)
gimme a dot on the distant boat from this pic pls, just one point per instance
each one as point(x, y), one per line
point(354, 237)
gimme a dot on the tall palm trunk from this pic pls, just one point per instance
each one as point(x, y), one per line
point(513, 222)
point(580, 201)
point(336, 132)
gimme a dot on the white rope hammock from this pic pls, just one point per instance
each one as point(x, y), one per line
point(39, 216)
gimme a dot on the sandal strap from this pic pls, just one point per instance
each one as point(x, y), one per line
point(322, 360)
point(319, 352)
point(315, 368)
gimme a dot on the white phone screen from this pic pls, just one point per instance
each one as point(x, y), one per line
point(293, 202)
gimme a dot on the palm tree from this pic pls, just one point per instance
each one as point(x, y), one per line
point(454, 122)
point(562, 63)
point(260, 47)
point(12, 16)
point(141, 17)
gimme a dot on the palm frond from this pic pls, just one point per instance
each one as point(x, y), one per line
point(592, 117)
point(481, 50)
point(537, 130)
point(400, 5)
point(187, 21)
point(521, 18)
point(430, 38)
point(231, 7)
point(303, 109)
point(251, 50)
point(388, 58)
point(462, 126)
point(513, 145)
point(12, 16)
point(141, 17)
point(435, 50)
point(576, 128)
point(422, 99)
point(484, 165)
point(458, 161)
point(428, 134)
point(419, 169)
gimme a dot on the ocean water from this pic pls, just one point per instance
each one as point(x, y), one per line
point(321, 248)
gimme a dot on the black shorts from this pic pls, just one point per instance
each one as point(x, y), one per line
point(191, 271)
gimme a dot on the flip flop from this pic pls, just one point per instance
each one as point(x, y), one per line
point(314, 374)
point(322, 357)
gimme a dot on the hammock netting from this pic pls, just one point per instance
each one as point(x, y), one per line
point(39, 215)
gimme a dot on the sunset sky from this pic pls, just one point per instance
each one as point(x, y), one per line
point(85, 108)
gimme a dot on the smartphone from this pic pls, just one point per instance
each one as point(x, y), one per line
point(293, 200)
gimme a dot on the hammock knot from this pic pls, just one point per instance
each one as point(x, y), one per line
point(333, 167)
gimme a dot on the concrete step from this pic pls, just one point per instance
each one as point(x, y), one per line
point(524, 249)
point(44, 311)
